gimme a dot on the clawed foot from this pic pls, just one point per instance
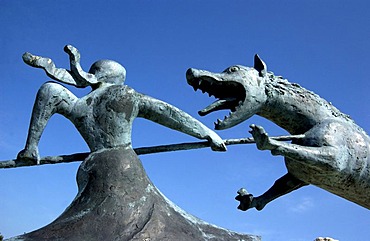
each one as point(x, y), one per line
point(28, 156)
point(261, 138)
point(245, 199)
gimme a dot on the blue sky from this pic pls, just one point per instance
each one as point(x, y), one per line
point(322, 45)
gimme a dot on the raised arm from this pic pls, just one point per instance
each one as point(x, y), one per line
point(58, 74)
point(174, 118)
point(76, 76)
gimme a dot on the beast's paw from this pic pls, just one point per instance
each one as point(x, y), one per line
point(245, 199)
point(261, 138)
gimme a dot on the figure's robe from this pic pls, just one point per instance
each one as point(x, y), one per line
point(117, 201)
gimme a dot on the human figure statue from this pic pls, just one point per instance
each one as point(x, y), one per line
point(115, 200)
point(104, 117)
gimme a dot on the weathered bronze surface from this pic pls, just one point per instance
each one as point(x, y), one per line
point(334, 153)
point(115, 200)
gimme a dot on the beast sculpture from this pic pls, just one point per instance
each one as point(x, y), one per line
point(333, 153)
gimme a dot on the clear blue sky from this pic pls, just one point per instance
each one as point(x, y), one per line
point(322, 45)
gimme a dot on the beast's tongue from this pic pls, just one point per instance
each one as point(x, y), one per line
point(217, 105)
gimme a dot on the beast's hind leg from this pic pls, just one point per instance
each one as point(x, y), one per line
point(51, 98)
point(282, 186)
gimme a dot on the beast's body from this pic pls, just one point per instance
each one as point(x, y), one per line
point(343, 166)
point(333, 155)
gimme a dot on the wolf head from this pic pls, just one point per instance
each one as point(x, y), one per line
point(238, 88)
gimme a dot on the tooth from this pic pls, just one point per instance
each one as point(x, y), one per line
point(219, 121)
point(225, 117)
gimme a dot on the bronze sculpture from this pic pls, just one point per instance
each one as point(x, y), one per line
point(115, 200)
point(334, 152)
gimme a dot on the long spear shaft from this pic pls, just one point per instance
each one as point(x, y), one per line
point(140, 151)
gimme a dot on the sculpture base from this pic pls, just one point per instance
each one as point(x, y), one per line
point(117, 201)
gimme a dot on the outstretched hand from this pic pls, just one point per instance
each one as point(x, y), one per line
point(37, 61)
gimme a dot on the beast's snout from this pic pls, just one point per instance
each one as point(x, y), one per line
point(190, 74)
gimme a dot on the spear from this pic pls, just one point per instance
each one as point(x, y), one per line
point(139, 151)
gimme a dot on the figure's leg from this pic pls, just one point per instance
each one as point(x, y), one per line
point(51, 98)
point(282, 186)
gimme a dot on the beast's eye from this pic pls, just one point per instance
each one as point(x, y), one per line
point(233, 69)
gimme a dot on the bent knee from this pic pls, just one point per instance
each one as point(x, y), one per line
point(51, 84)
point(57, 96)
point(49, 87)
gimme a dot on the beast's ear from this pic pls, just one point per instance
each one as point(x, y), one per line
point(260, 66)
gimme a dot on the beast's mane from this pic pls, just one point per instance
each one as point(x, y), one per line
point(277, 85)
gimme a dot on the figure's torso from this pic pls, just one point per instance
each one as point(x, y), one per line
point(104, 117)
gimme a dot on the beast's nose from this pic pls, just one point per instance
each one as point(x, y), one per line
point(190, 77)
point(190, 74)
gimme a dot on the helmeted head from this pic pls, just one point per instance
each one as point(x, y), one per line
point(108, 71)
